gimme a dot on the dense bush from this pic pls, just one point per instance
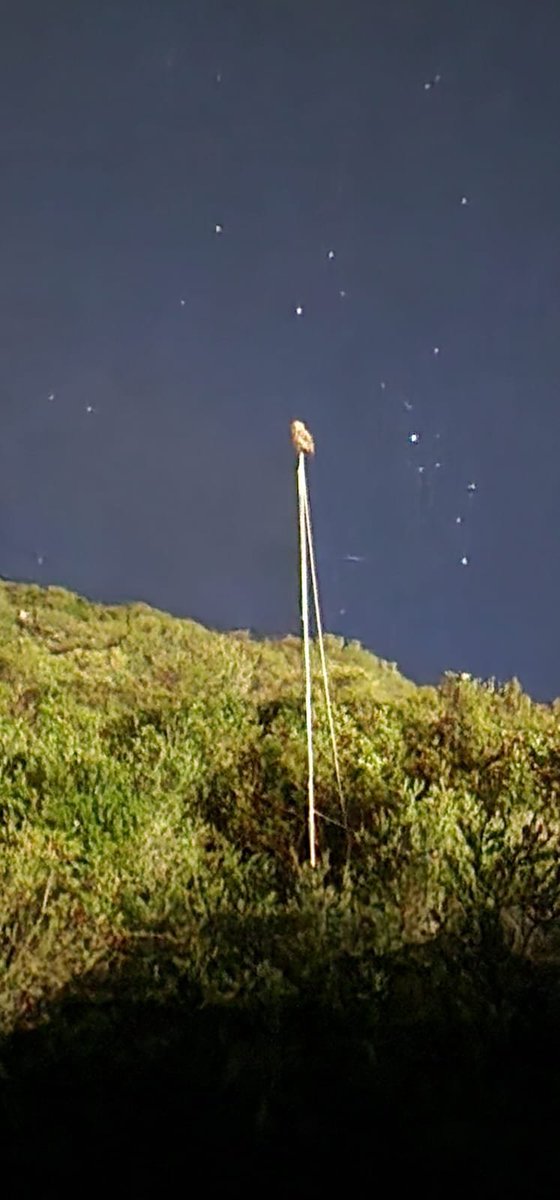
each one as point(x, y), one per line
point(152, 808)
point(160, 927)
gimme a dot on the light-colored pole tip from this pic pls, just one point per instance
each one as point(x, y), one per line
point(301, 438)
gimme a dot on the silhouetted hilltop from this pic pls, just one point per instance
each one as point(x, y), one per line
point(169, 960)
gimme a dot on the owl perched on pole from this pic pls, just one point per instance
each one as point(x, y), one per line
point(302, 439)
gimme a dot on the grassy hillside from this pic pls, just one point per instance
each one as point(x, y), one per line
point(156, 907)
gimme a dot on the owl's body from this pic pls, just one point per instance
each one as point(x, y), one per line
point(302, 439)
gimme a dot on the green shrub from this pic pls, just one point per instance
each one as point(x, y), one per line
point(153, 809)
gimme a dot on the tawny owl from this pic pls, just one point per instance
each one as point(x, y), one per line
point(302, 439)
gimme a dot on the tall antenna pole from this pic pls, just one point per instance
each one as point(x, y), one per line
point(304, 581)
point(303, 444)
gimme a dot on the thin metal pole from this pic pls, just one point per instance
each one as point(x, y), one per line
point(319, 625)
point(302, 492)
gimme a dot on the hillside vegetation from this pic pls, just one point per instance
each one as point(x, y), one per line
point(153, 857)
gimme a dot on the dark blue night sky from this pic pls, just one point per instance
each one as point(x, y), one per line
point(416, 140)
